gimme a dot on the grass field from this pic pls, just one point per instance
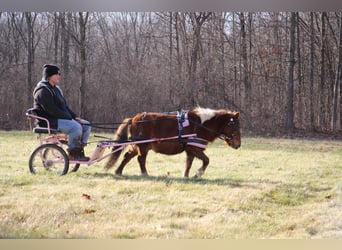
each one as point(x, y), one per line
point(269, 188)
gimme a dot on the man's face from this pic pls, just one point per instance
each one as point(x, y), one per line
point(54, 79)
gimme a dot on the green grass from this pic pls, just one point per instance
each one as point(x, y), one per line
point(269, 188)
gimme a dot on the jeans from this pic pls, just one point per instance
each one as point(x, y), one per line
point(78, 133)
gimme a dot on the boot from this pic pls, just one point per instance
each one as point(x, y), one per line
point(82, 155)
point(75, 154)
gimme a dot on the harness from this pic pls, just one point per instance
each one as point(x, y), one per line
point(183, 121)
point(180, 118)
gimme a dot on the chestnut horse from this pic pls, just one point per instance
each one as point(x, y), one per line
point(206, 125)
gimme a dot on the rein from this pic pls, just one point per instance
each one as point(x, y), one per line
point(104, 125)
point(221, 136)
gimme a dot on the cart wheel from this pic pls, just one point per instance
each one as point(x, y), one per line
point(75, 168)
point(49, 159)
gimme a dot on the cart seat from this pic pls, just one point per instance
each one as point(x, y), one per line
point(32, 115)
point(42, 130)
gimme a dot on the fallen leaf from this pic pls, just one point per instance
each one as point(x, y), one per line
point(86, 196)
point(89, 211)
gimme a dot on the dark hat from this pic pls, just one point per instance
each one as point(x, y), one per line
point(49, 70)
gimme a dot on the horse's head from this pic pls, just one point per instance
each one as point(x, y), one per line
point(231, 130)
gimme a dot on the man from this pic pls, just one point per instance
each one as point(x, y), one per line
point(49, 102)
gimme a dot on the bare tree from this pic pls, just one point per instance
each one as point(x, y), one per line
point(338, 83)
point(244, 65)
point(312, 70)
point(289, 106)
point(280, 69)
point(79, 34)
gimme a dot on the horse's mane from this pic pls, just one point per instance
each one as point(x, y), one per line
point(206, 113)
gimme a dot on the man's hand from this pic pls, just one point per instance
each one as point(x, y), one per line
point(78, 119)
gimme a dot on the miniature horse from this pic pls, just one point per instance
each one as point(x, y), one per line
point(207, 124)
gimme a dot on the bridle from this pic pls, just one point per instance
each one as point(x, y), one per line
point(232, 123)
point(235, 127)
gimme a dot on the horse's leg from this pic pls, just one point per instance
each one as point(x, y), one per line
point(127, 157)
point(205, 162)
point(142, 163)
point(189, 159)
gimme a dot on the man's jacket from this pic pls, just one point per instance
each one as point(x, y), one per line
point(50, 103)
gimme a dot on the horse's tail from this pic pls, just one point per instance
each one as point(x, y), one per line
point(120, 135)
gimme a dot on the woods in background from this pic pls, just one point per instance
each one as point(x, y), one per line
point(282, 71)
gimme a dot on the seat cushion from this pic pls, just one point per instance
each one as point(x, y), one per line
point(42, 130)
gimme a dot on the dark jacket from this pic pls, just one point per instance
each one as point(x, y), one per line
point(50, 103)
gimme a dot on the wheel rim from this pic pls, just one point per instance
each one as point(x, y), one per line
point(49, 159)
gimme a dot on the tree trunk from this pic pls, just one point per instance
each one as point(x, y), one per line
point(245, 62)
point(57, 18)
point(65, 37)
point(301, 94)
point(290, 87)
point(30, 20)
point(338, 82)
point(198, 20)
point(83, 61)
point(170, 58)
point(312, 70)
point(235, 99)
point(321, 114)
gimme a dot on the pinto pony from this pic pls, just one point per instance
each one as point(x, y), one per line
point(202, 125)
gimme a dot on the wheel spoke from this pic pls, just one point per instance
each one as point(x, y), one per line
point(49, 159)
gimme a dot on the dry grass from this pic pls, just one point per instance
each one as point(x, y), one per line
point(269, 188)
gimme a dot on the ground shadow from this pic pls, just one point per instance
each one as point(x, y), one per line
point(230, 182)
